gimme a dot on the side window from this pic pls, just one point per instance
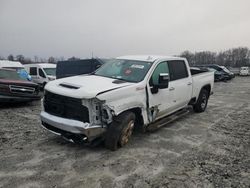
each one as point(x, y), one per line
point(161, 68)
point(178, 70)
point(41, 73)
point(33, 71)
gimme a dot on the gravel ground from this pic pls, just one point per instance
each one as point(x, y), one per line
point(211, 149)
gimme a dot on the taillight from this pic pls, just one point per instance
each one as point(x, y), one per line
point(4, 88)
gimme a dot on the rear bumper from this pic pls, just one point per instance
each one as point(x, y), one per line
point(10, 98)
point(62, 126)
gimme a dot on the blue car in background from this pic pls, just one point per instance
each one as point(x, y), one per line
point(23, 74)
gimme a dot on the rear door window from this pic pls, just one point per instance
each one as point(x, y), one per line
point(178, 70)
point(33, 71)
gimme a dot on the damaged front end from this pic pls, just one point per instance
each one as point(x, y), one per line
point(75, 119)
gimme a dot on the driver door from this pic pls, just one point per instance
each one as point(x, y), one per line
point(160, 102)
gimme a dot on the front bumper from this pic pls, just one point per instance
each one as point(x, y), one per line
point(62, 126)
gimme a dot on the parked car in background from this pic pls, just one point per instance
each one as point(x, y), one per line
point(244, 71)
point(17, 66)
point(222, 73)
point(143, 91)
point(218, 76)
point(42, 73)
point(225, 69)
point(77, 67)
point(14, 88)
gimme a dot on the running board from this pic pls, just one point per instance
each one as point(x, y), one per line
point(164, 121)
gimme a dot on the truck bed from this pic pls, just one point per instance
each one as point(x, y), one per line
point(201, 78)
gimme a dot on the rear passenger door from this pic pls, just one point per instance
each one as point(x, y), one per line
point(181, 83)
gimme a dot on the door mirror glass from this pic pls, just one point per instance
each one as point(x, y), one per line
point(163, 80)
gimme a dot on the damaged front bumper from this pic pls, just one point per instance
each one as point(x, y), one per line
point(63, 127)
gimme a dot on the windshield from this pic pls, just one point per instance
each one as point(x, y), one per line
point(50, 71)
point(10, 75)
point(22, 72)
point(244, 68)
point(127, 70)
point(225, 69)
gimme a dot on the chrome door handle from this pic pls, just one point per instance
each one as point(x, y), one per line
point(189, 83)
point(171, 89)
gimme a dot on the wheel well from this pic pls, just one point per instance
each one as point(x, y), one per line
point(208, 88)
point(139, 122)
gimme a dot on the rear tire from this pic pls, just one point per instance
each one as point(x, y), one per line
point(201, 104)
point(120, 130)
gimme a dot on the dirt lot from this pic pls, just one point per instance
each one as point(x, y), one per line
point(210, 149)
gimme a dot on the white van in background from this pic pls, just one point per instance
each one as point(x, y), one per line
point(41, 73)
point(17, 66)
point(244, 71)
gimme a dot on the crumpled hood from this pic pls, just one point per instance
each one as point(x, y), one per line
point(83, 86)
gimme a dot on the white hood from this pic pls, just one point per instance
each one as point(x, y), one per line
point(85, 86)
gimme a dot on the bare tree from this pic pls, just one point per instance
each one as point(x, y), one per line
point(20, 58)
point(235, 57)
point(189, 56)
point(73, 58)
point(52, 60)
point(36, 59)
point(11, 57)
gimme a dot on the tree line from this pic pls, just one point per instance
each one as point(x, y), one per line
point(235, 57)
point(36, 59)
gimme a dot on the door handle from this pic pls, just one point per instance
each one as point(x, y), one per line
point(189, 83)
point(171, 89)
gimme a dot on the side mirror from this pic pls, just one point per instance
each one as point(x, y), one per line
point(163, 80)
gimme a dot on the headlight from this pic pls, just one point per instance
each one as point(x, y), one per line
point(42, 104)
point(51, 79)
point(4, 88)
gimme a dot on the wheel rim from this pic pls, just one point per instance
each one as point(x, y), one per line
point(203, 101)
point(127, 132)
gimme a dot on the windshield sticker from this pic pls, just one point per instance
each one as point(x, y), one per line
point(127, 72)
point(137, 66)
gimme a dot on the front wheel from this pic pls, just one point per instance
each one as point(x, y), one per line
point(120, 131)
point(201, 103)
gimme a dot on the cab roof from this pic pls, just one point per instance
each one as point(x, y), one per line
point(149, 58)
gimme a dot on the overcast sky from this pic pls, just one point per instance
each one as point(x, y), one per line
point(112, 28)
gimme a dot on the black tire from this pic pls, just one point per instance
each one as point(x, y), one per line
point(201, 104)
point(121, 127)
point(44, 84)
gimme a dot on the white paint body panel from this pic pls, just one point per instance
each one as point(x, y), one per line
point(7, 63)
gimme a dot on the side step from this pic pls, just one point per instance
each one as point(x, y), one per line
point(164, 121)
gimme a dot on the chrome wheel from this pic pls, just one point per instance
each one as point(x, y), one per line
point(126, 133)
point(203, 101)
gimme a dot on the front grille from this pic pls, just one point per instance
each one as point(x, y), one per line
point(65, 107)
point(21, 89)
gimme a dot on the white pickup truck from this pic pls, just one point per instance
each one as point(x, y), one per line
point(126, 92)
